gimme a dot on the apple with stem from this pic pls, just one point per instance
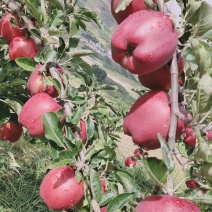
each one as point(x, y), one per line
point(10, 131)
point(10, 27)
point(37, 85)
point(22, 46)
point(149, 116)
point(144, 42)
point(60, 190)
point(31, 113)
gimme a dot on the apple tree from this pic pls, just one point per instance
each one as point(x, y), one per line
point(41, 52)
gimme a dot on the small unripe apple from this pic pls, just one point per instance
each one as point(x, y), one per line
point(60, 190)
point(138, 153)
point(191, 184)
point(149, 116)
point(209, 135)
point(165, 203)
point(83, 131)
point(133, 7)
point(144, 42)
point(22, 46)
point(10, 131)
point(190, 137)
point(130, 161)
point(37, 85)
point(206, 171)
point(161, 78)
point(104, 209)
point(32, 111)
point(7, 30)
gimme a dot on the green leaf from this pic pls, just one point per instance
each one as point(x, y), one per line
point(203, 152)
point(106, 198)
point(204, 94)
point(55, 4)
point(64, 158)
point(203, 54)
point(14, 104)
point(77, 114)
point(90, 128)
point(73, 29)
point(53, 128)
point(50, 56)
point(80, 53)
point(118, 202)
point(191, 15)
point(35, 10)
point(56, 20)
point(96, 186)
point(4, 113)
point(150, 4)
point(27, 64)
point(129, 184)
point(167, 156)
point(203, 20)
point(122, 5)
point(156, 169)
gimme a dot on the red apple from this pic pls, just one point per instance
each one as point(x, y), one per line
point(36, 83)
point(144, 42)
point(10, 131)
point(60, 190)
point(104, 185)
point(8, 30)
point(133, 7)
point(104, 209)
point(32, 111)
point(149, 116)
point(22, 46)
point(160, 79)
point(209, 135)
point(165, 203)
point(83, 131)
point(138, 153)
point(190, 137)
point(130, 162)
point(191, 184)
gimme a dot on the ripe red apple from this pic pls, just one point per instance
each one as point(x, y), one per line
point(133, 7)
point(209, 135)
point(22, 46)
point(60, 190)
point(7, 30)
point(138, 153)
point(165, 203)
point(161, 78)
point(130, 162)
point(32, 111)
point(83, 131)
point(191, 184)
point(190, 137)
point(149, 116)
point(10, 131)
point(36, 83)
point(144, 42)
point(104, 209)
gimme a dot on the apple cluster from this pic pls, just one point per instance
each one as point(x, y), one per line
point(144, 43)
point(59, 188)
